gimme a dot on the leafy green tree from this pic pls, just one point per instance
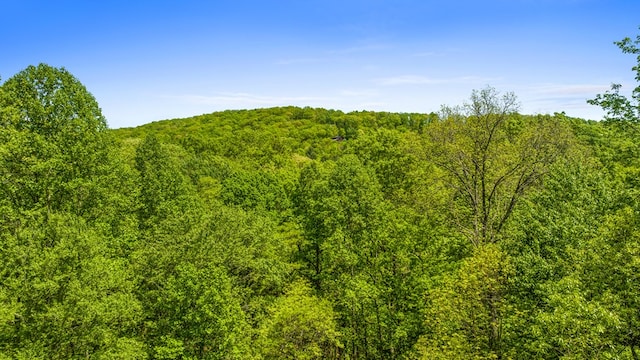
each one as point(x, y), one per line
point(362, 254)
point(542, 238)
point(52, 107)
point(68, 297)
point(300, 326)
point(165, 195)
point(618, 107)
point(259, 190)
point(387, 153)
point(252, 249)
point(592, 311)
point(69, 291)
point(578, 326)
point(609, 264)
point(466, 313)
point(200, 316)
point(623, 117)
point(205, 273)
point(492, 156)
point(612, 269)
point(52, 102)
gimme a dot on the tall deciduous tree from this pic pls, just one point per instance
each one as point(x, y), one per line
point(50, 108)
point(51, 102)
point(492, 156)
point(68, 295)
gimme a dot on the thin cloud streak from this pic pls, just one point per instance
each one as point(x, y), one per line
point(358, 93)
point(246, 99)
point(423, 80)
point(344, 99)
point(569, 89)
point(550, 98)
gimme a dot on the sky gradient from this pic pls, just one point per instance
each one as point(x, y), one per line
point(152, 60)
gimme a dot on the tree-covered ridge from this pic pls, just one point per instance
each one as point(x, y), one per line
point(298, 233)
point(267, 133)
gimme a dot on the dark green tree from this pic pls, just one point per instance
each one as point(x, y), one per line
point(164, 194)
point(362, 254)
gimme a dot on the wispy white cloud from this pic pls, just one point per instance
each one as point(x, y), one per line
point(343, 99)
point(560, 96)
point(427, 54)
point(424, 80)
point(246, 99)
point(358, 92)
point(572, 98)
point(569, 89)
point(437, 53)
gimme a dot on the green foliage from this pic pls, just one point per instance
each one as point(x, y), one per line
point(300, 326)
point(57, 143)
point(466, 312)
point(67, 296)
point(390, 156)
point(492, 156)
point(200, 316)
point(618, 107)
point(557, 310)
point(258, 190)
point(306, 233)
point(364, 254)
point(52, 103)
point(163, 190)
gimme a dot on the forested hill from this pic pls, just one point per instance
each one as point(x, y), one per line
point(274, 131)
point(298, 233)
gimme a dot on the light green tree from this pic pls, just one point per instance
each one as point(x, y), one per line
point(466, 312)
point(492, 156)
point(618, 107)
point(52, 109)
point(67, 293)
point(67, 297)
point(300, 326)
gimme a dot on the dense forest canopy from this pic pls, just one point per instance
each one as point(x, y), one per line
point(305, 233)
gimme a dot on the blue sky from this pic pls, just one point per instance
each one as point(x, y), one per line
point(153, 60)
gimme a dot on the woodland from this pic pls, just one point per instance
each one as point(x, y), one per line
point(476, 232)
